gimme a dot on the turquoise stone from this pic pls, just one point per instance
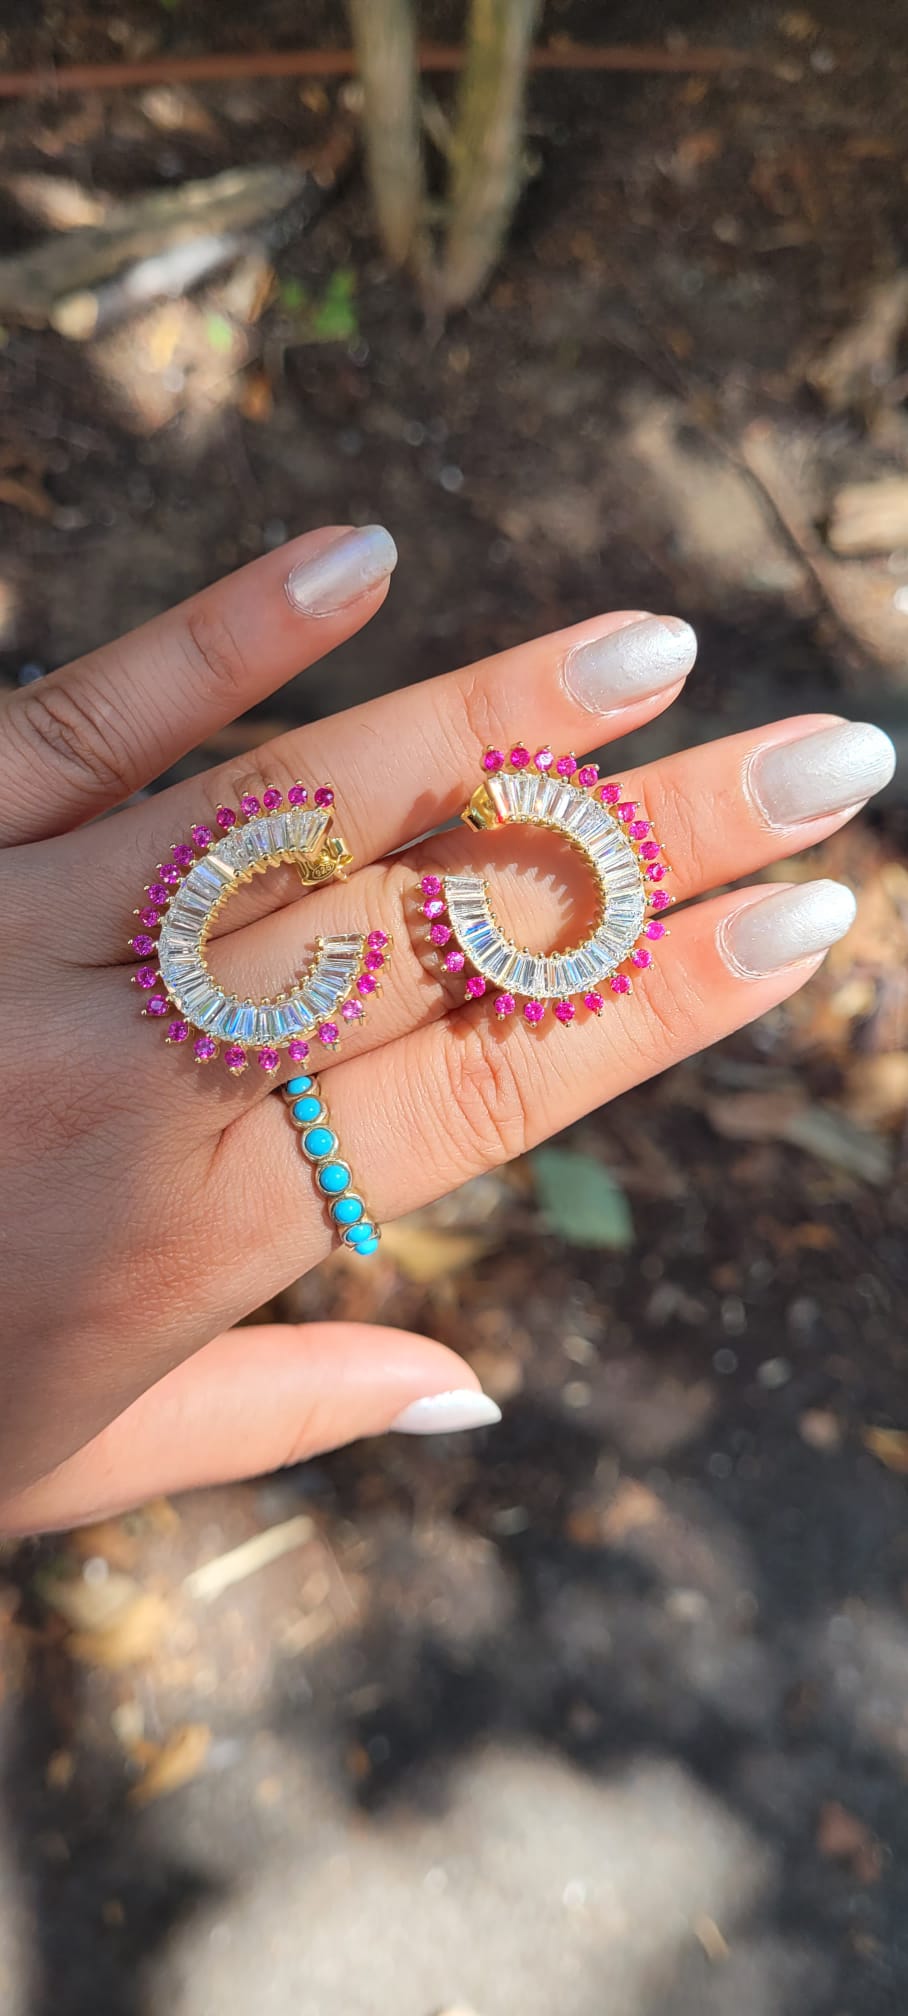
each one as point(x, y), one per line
point(319, 1141)
point(297, 1085)
point(368, 1246)
point(307, 1110)
point(357, 1233)
point(333, 1178)
point(347, 1210)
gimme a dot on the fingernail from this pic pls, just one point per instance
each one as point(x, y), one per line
point(442, 1413)
point(629, 664)
point(821, 773)
point(785, 927)
point(355, 563)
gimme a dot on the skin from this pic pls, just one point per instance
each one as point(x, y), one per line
point(149, 1206)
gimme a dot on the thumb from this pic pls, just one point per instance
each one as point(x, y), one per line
point(254, 1400)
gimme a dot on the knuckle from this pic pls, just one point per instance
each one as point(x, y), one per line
point(79, 736)
point(486, 1094)
point(215, 651)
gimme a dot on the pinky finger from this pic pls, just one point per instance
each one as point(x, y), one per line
point(254, 1400)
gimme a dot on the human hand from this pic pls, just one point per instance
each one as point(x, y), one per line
point(146, 1208)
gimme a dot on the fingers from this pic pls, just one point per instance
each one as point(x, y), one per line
point(252, 1401)
point(89, 735)
point(709, 807)
point(405, 762)
point(466, 1093)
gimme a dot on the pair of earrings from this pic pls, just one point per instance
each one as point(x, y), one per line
point(188, 892)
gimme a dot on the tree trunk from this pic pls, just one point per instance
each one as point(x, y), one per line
point(385, 35)
point(486, 149)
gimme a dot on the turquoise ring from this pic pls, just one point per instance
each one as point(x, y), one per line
point(333, 1179)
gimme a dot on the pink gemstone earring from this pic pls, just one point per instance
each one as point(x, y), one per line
point(178, 910)
point(622, 855)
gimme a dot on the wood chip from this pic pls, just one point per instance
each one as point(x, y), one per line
point(178, 1760)
point(205, 1584)
point(889, 1445)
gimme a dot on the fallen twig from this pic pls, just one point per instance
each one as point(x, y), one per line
point(223, 68)
point(210, 1581)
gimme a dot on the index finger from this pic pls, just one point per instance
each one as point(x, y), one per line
point(94, 732)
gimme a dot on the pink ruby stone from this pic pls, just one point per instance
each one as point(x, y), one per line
point(297, 795)
point(533, 1012)
point(169, 874)
point(654, 929)
point(374, 962)
point(594, 1003)
point(177, 1032)
point(328, 1033)
point(352, 1010)
point(225, 819)
point(520, 757)
point(657, 873)
point(650, 850)
point(543, 759)
point(433, 907)
point(182, 854)
point(146, 977)
point(588, 775)
point(268, 1059)
point(158, 893)
point(610, 794)
point(504, 1004)
point(564, 1011)
point(366, 983)
point(249, 805)
point(476, 987)
point(621, 984)
point(660, 899)
point(272, 798)
point(202, 835)
point(638, 829)
point(235, 1057)
point(149, 918)
point(455, 962)
point(157, 1005)
point(324, 796)
point(298, 1050)
point(205, 1048)
point(642, 956)
point(493, 760)
point(143, 945)
point(627, 810)
point(377, 940)
point(566, 765)
point(440, 934)
point(431, 885)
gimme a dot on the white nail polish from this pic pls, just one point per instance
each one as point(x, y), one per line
point(443, 1413)
point(629, 664)
point(356, 562)
point(785, 927)
point(820, 774)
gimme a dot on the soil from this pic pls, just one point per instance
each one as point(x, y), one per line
point(608, 1712)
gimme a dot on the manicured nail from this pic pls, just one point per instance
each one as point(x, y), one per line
point(442, 1413)
point(627, 665)
point(355, 563)
point(822, 773)
point(784, 927)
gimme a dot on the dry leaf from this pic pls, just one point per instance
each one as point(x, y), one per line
point(110, 1539)
point(842, 1837)
point(22, 494)
point(425, 1254)
point(89, 1605)
point(178, 1760)
point(134, 1636)
point(632, 1506)
point(890, 1445)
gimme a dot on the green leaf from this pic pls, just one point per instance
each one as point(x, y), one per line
point(581, 1200)
point(334, 318)
point(293, 295)
point(219, 333)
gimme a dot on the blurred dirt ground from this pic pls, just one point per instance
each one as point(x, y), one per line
point(605, 1713)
